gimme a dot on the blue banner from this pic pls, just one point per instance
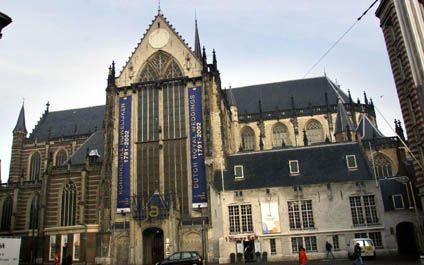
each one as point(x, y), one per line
point(198, 176)
point(124, 154)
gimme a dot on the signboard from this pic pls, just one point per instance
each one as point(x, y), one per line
point(270, 218)
point(124, 155)
point(9, 251)
point(198, 177)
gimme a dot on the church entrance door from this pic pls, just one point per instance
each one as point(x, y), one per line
point(152, 245)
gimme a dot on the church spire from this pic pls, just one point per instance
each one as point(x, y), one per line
point(197, 49)
point(20, 124)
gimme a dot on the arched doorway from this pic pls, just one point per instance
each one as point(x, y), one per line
point(405, 236)
point(152, 245)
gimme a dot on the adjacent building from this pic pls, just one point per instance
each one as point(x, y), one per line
point(173, 162)
point(402, 23)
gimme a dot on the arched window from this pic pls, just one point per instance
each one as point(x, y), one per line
point(35, 166)
point(280, 135)
point(33, 213)
point(61, 157)
point(248, 139)
point(383, 166)
point(314, 132)
point(69, 204)
point(6, 218)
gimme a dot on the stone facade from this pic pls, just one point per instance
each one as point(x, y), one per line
point(116, 184)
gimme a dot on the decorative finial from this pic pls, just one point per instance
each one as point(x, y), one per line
point(159, 10)
point(47, 106)
point(214, 59)
point(350, 96)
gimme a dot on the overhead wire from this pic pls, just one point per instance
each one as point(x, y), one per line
point(340, 38)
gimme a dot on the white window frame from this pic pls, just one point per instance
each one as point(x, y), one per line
point(401, 198)
point(76, 238)
point(354, 159)
point(242, 172)
point(292, 172)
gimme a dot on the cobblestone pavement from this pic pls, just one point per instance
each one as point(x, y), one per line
point(379, 261)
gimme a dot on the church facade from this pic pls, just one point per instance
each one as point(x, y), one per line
point(174, 162)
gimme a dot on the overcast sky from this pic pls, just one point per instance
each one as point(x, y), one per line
point(59, 51)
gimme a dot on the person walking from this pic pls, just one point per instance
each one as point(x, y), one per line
point(328, 248)
point(357, 255)
point(303, 259)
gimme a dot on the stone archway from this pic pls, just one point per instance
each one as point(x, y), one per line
point(405, 236)
point(152, 245)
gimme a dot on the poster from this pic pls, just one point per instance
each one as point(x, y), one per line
point(124, 155)
point(9, 250)
point(197, 158)
point(270, 218)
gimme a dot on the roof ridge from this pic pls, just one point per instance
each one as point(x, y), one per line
point(96, 106)
point(278, 82)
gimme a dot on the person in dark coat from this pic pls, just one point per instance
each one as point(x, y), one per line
point(357, 255)
point(328, 248)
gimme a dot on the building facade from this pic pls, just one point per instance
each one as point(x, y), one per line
point(174, 162)
point(402, 23)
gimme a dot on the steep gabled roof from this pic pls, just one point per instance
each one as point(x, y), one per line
point(157, 18)
point(366, 130)
point(95, 141)
point(342, 119)
point(277, 96)
point(317, 164)
point(68, 123)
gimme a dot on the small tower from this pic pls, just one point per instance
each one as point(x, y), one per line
point(19, 135)
point(197, 48)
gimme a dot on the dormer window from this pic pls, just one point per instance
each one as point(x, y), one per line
point(398, 201)
point(294, 167)
point(238, 172)
point(351, 162)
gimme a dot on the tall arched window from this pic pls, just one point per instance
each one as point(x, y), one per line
point(383, 166)
point(69, 204)
point(248, 139)
point(33, 213)
point(6, 217)
point(61, 157)
point(35, 166)
point(280, 135)
point(314, 132)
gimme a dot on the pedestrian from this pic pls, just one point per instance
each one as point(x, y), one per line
point(56, 260)
point(357, 256)
point(328, 248)
point(303, 260)
point(69, 259)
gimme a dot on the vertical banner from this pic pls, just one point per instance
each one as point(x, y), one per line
point(198, 176)
point(270, 218)
point(124, 153)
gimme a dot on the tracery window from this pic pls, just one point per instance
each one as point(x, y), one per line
point(280, 135)
point(35, 166)
point(68, 209)
point(383, 166)
point(61, 157)
point(314, 132)
point(33, 213)
point(248, 139)
point(6, 217)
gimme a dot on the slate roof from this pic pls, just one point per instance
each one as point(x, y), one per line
point(366, 130)
point(68, 123)
point(95, 141)
point(318, 164)
point(20, 124)
point(342, 119)
point(277, 96)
